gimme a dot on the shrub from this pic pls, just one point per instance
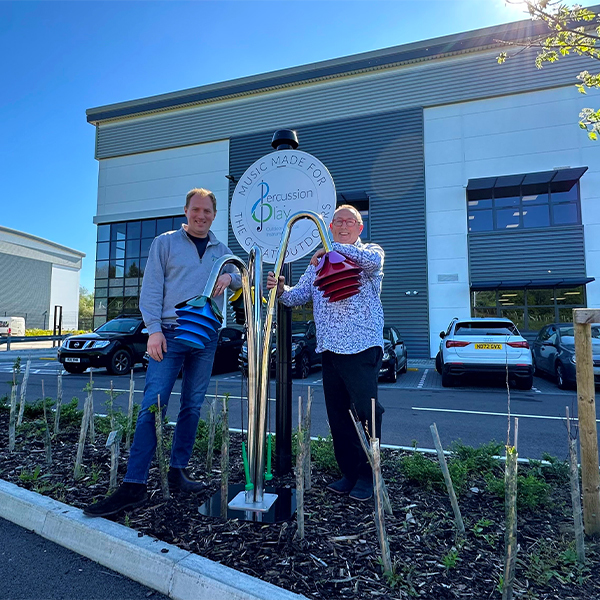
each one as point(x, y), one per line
point(427, 473)
point(478, 460)
point(532, 491)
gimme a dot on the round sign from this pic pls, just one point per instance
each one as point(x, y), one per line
point(270, 191)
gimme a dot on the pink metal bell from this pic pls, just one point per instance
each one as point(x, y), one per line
point(338, 277)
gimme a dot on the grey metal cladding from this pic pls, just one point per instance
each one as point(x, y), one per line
point(445, 81)
point(381, 155)
point(25, 289)
point(535, 254)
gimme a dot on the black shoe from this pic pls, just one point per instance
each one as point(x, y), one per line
point(180, 480)
point(343, 486)
point(127, 495)
point(362, 491)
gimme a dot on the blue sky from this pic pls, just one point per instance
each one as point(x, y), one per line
point(60, 58)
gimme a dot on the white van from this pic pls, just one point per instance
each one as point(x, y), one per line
point(12, 326)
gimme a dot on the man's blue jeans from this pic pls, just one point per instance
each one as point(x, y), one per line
point(160, 379)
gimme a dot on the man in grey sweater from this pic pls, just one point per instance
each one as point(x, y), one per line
point(178, 268)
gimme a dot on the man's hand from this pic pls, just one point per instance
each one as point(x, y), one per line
point(157, 344)
point(223, 282)
point(272, 282)
point(314, 261)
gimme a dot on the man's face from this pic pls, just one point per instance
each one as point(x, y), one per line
point(200, 215)
point(345, 227)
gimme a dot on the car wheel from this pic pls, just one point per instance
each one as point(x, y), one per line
point(536, 370)
point(524, 383)
point(303, 367)
point(393, 373)
point(447, 379)
point(561, 382)
point(71, 368)
point(438, 363)
point(120, 363)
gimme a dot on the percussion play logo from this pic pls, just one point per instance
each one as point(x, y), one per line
point(271, 190)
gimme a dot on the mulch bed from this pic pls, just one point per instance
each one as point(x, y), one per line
point(339, 556)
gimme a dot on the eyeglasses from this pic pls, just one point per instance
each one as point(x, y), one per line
point(349, 222)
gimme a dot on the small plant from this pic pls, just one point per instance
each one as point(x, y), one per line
point(70, 414)
point(480, 526)
point(35, 410)
point(201, 443)
point(4, 402)
point(532, 491)
point(322, 454)
point(127, 521)
point(481, 460)
point(95, 474)
point(450, 560)
point(28, 476)
point(400, 577)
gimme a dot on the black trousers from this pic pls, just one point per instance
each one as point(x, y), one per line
point(350, 381)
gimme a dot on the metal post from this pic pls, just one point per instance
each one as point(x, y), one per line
point(283, 395)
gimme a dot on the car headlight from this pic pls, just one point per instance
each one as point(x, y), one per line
point(295, 348)
point(572, 359)
point(386, 356)
point(100, 344)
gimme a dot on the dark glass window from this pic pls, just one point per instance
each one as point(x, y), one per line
point(101, 269)
point(163, 225)
point(132, 267)
point(526, 206)
point(132, 248)
point(149, 228)
point(179, 221)
point(103, 233)
point(134, 229)
point(481, 220)
point(118, 231)
point(529, 309)
point(103, 251)
point(536, 216)
point(117, 249)
point(145, 247)
point(116, 269)
point(565, 214)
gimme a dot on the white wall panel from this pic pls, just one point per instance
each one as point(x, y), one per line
point(64, 291)
point(518, 133)
point(155, 183)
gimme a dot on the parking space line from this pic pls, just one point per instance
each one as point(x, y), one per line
point(423, 377)
point(493, 414)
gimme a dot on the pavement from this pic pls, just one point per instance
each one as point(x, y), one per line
point(32, 568)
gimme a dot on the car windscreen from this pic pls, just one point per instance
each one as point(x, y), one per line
point(485, 328)
point(119, 326)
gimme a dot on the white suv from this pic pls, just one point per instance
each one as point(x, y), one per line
point(487, 345)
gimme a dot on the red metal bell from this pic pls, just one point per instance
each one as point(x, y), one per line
point(338, 277)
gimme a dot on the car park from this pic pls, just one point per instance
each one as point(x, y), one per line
point(304, 350)
point(554, 353)
point(486, 346)
point(395, 356)
point(116, 346)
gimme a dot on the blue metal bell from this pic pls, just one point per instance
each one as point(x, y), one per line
point(198, 318)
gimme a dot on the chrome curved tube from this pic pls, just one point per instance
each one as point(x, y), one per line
point(266, 338)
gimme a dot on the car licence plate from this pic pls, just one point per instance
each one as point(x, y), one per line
point(76, 360)
point(488, 346)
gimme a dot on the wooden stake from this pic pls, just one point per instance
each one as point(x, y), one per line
point(92, 428)
point(449, 484)
point(367, 449)
point(111, 412)
point(59, 395)
point(160, 451)
point(510, 500)
point(575, 493)
point(300, 458)
point(212, 428)
point(379, 510)
point(307, 453)
point(586, 405)
point(47, 440)
point(373, 428)
point(85, 421)
point(224, 455)
point(23, 392)
point(13, 413)
point(113, 442)
point(130, 412)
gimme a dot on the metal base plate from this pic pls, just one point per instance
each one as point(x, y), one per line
point(239, 503)
point(282, 509)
